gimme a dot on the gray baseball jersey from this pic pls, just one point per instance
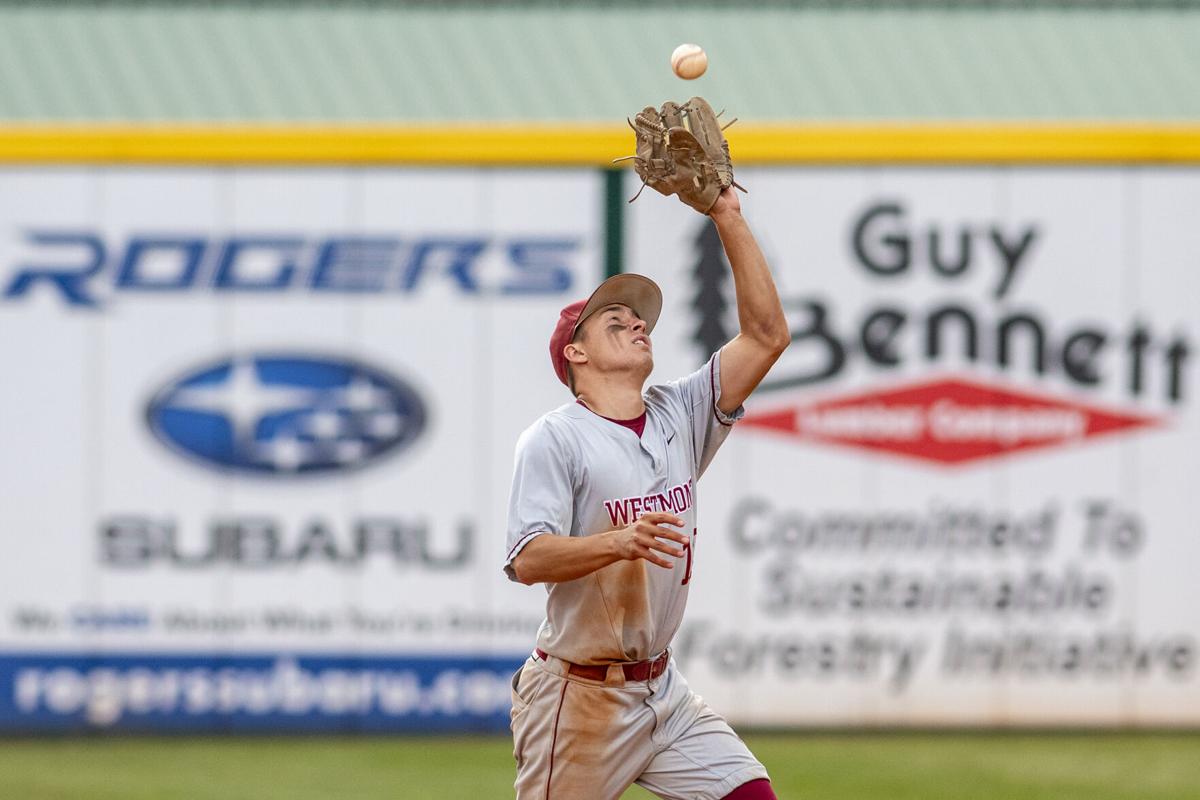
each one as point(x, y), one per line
point(577, 473)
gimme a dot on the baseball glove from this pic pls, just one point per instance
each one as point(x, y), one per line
point(681, 150)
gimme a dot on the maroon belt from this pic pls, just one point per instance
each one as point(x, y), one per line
point(634, 671)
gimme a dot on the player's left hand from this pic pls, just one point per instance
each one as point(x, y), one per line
point(681, 150)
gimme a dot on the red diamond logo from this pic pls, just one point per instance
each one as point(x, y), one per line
point(947, 421)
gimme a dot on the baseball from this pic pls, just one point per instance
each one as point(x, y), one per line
point(689, 61)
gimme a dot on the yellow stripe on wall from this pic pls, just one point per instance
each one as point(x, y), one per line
point(594, 145)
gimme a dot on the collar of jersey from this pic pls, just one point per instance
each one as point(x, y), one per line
point(579, 411)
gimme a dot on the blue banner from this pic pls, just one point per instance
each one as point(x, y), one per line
point(270, 692)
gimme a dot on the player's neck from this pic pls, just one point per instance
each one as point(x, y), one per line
point(615, 401)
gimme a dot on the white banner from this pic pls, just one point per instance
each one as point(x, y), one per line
point(966, 493)
point(271, 412)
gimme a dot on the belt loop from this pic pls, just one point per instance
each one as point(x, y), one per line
point(615, 676)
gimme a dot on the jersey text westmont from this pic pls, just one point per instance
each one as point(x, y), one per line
point(626, 510)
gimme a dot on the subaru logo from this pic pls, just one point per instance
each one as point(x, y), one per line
point(286, 414)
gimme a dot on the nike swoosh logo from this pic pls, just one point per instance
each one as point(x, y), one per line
point(670, 438)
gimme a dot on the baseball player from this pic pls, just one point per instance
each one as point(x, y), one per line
point(603, 511)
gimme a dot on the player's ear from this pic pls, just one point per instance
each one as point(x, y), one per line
point(575, 353)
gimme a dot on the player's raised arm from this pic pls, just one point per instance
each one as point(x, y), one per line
point(763, 332)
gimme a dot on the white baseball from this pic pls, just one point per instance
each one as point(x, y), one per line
point(689, 61)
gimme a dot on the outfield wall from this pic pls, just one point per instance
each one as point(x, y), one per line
point(258, 424)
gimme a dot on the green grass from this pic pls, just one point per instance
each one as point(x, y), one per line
point(807, 766)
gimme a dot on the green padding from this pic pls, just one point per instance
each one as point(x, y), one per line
point(614, 222)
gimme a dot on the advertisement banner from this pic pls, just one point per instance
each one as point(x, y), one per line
point(258, 429)
point(257, 434)
point(966, 493)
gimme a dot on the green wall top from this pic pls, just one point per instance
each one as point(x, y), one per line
point(366, 62)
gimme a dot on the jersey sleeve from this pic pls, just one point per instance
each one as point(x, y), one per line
point(700, 392)
point(542, 496)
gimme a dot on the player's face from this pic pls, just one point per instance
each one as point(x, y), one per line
point(615, 338)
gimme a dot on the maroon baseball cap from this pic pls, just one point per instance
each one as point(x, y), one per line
point(629, 289)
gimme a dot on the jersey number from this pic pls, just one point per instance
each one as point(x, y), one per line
point(687, 548)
